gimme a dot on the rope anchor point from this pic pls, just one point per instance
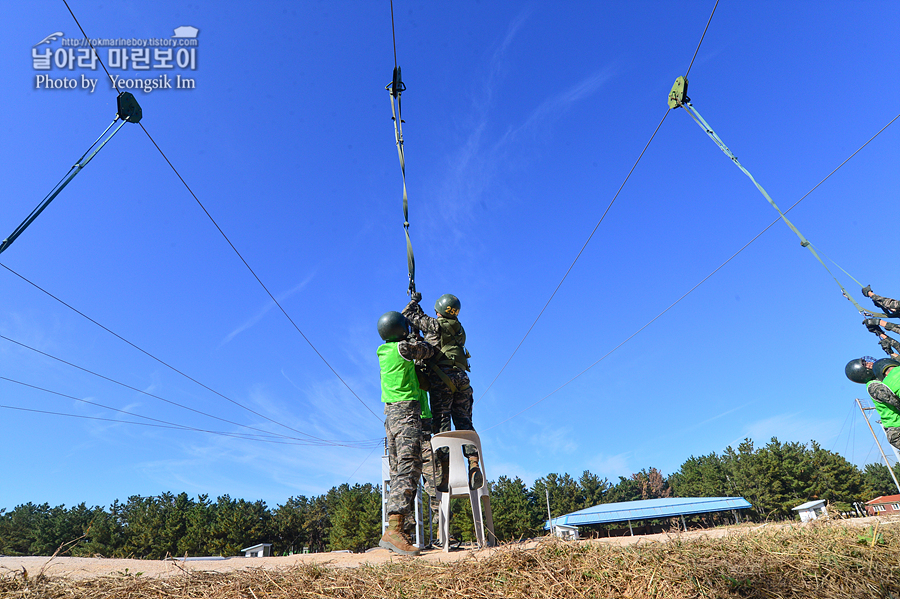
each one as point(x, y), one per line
point(678, 96)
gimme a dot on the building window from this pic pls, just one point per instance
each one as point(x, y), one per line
point(895, 507)
point(879, 508)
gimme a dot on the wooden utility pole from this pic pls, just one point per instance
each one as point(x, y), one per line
point(549, 515)
point(874, 436)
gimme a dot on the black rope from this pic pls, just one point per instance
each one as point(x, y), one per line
point(115, 84)
point(393, 35)
point(229, 241)
point(673, 304)
point(597, 225)
point(174, 426)
point(129, 387)
point(701, 39)
point(258, 280)
point(148, 354)
point(571, 266)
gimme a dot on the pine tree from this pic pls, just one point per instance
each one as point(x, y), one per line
point(517, 514)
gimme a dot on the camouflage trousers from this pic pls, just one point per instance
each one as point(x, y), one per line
point(447, 405)
point(429, 468)
point(403, 425)
point(893, 435)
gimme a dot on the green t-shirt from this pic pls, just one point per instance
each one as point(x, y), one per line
point(426, 407)
point(890, 416)
point(398, 375)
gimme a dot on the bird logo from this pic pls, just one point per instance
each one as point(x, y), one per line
point(50, 38)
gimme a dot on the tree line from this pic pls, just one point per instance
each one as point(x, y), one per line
point(773, 478)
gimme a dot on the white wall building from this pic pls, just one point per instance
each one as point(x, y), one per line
point(811, 510)
point(260, 550)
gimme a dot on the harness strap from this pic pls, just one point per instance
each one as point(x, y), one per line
point(803, 241)
point(76, 168)
point(443, 376)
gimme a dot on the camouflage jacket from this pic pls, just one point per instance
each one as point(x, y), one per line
point(428, 325)
point(415, 350)
point(890, 306)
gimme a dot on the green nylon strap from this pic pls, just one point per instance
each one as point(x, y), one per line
point(79, 164)
point(803, 241)
point(398, 136)
point(443, 377)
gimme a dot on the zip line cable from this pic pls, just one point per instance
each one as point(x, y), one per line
point(395, 88)
point(678, 98)
point(703, 35)
point(703, 280)
point(113, 81)
point(571, 266)
point(168, 401)
point(175, 427)
point(837, 438)
point(366, 459)
point(158, 360)
point(255, 276)
point(105, 407)
point(266, 289)
point(552, 295)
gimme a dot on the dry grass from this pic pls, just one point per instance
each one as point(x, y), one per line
point(821, 562)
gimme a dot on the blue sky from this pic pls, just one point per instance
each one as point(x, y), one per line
point(522, 121)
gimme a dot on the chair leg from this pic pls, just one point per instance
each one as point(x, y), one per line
point(445, 521)
point(488, 521)
point(476, 516)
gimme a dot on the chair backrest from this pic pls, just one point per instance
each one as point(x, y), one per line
point(459, 467)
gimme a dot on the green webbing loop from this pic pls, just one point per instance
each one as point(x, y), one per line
point(128, 111)
point(79, 164)
point(395, 88)
point(803, 241)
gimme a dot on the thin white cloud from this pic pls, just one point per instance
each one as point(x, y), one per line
point(716, 417)
point(265, 309)
point(611, 466)
point(555, 106)
point(794, 427)
point(558, 440)
point(483, 157)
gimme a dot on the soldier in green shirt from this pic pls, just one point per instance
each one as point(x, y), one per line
point(882, 380)
point(401, 395)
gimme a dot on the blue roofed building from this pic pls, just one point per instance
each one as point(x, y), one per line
point(648, 509)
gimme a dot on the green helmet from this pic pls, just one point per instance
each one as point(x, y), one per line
point(858, 370)
point(393, 326)
point(881, 365)
point(447, 306)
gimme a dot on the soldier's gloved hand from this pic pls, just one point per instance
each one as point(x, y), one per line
point(872, 325)
point(416, 297)
point(867, 290)
point(886, 345)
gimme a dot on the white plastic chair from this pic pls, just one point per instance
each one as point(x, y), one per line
point(459, 486)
